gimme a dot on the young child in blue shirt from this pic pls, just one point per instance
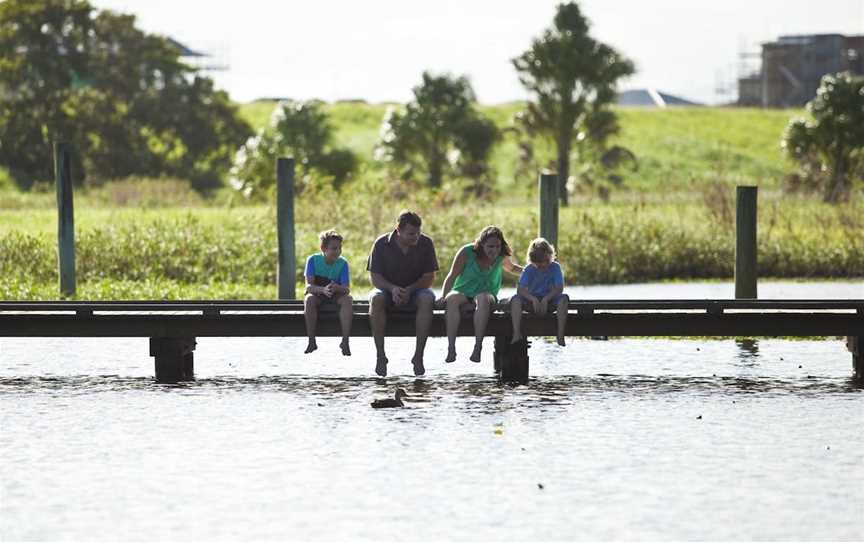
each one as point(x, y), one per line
point(328, 281)
point(541, 289)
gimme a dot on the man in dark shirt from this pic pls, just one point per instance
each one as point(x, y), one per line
point(402, 266)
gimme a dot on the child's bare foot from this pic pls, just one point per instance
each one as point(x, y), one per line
point(311, 347)
point(451, 354)
point(516, 339)
point(346, 350)
point(561, 341)
point(381, 366)
point(475, 355)
point(417, 362)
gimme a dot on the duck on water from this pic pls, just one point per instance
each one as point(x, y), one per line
point(396, 402)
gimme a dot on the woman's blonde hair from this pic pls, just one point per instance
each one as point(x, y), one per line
point(539, 249)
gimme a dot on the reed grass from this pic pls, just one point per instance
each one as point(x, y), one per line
point(210, 253)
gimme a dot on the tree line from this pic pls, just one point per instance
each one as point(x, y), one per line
point(131, 106)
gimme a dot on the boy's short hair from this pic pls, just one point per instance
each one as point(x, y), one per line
point(408, 218)
point(540, 248)
point(329, 235)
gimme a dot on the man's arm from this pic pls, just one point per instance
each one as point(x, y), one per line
point(425, 281)
point(380, 282)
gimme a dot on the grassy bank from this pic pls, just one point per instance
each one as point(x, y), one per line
point(677, 148)
point(231, 253)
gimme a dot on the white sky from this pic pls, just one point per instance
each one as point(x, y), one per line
point(377, 49)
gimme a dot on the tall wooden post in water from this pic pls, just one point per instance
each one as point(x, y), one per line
point(285, 269)
point(745, 242)
point(549, 207)
point(65, 219)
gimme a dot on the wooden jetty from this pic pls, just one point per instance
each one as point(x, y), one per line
point(173, 326)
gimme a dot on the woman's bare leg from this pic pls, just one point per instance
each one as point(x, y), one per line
point(481, 318)
point(453, 314)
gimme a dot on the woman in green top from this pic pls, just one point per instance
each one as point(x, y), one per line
point(475, 278)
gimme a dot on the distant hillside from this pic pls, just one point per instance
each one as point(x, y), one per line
point(676, 147)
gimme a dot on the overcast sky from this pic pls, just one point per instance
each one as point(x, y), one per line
point(377, 49)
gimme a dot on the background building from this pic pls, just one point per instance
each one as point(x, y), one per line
point(792, 67)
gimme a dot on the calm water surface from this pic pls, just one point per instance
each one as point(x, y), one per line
point(619, 439)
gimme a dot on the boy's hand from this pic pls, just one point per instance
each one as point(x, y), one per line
point(544, 305)
point(328, 290)
point(536, 304)
point(439, 303)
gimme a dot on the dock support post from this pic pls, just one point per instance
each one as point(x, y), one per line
point(549, 207)
point(511, 360)
point(856, 346)
point(286, 272)
point(745, 242)
point(174, 358)
point(65, 219)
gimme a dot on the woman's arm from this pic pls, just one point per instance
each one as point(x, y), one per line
point(511, 267)
point(455, 270)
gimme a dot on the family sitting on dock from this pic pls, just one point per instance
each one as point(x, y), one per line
point(402, 268)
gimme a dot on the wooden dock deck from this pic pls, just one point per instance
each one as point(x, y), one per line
point(172, 326)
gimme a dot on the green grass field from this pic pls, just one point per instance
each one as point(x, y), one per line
point(677, 148)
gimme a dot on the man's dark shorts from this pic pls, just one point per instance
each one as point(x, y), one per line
point(411, 305)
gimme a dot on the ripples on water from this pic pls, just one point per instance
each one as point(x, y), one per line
point(620, 439)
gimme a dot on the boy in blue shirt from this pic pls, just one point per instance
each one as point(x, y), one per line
point(328, 281)
point(541, 288)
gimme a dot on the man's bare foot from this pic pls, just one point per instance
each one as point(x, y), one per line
point(311, 347)
point(516, 339)
point(561, 341)
point(381, 366)
point(475, 355)
point(451, 354)
point(417, 362)
point(346, 350)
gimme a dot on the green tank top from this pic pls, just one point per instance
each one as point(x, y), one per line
point(473, 280)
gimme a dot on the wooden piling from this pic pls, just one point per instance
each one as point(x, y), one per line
point(173, 358)
point(855, 345)
point(511, 360)
point(286, 266)
point(65, 219)
point(548, 189)
point(745, 242)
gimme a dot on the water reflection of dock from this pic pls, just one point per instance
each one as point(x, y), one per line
point(173, 326)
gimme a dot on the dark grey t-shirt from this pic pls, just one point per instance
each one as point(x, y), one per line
point(402, 269)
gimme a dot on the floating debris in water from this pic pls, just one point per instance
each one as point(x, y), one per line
point(539, 485)
point(699, 417)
